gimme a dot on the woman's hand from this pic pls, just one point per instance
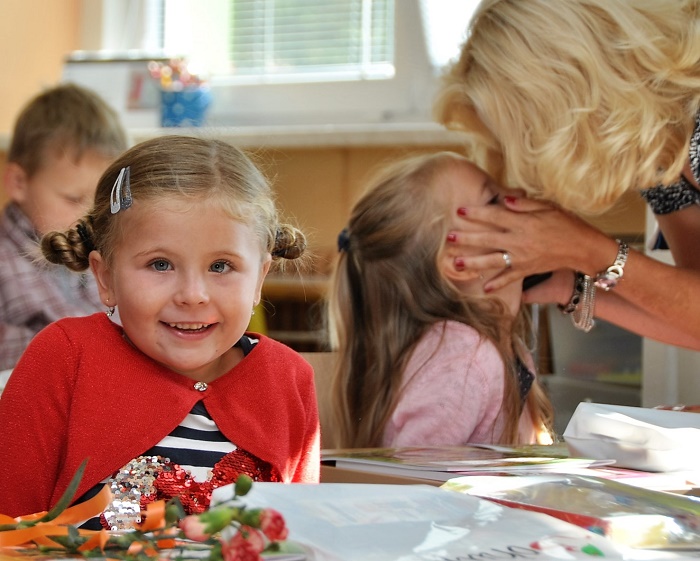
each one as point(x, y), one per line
point(524, 237)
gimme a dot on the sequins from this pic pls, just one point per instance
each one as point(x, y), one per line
point(150, 478)
point(200, 386)
point(129, 486)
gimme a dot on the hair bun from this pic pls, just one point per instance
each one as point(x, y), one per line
point(290, 243)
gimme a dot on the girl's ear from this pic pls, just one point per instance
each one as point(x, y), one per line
point(264, 269)
point(103, 277)
point(15, 180)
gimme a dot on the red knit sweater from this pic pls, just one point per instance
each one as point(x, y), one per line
point(80, 391)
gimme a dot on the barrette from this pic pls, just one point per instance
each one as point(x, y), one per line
point(120, 197)
point(344, 240)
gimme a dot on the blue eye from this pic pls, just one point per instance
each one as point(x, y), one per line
point(220, 267)
point(160, 265)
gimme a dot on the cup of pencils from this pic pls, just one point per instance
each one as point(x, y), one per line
point(185, 97)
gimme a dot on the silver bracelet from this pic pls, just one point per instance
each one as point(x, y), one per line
point(609, 279)
point(582, 316)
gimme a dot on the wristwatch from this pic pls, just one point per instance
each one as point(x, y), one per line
point(608, 279)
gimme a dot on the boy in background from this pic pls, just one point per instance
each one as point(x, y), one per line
point(63, 140)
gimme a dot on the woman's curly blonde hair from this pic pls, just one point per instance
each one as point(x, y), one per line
point(578, 101)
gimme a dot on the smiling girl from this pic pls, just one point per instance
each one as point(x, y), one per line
point(179, 398)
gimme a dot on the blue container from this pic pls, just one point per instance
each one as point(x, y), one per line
point(186, 108)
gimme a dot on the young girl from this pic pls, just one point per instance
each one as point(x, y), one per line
point(178, 399)
point(425, 359)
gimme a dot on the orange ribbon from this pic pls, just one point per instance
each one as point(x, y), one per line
point(55, 527)
point(40, 534)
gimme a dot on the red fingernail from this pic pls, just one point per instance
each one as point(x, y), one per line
point(510, 199)
point(459, 263)
point(451, 237)
point(462, 211)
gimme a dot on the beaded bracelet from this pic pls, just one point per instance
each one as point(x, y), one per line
point(575, 299)
point(582, 317)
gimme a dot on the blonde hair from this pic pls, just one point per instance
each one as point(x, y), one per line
point(387, 291)
point(186, 167)
point(578, 101)
point(67, 117)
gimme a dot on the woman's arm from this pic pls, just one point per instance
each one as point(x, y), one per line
point(653, 299)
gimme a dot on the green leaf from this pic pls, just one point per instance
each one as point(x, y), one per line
point(63, 503)
point(67, 497)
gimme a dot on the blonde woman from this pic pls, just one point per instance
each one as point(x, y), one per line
point(425, 357)
point(579, 102)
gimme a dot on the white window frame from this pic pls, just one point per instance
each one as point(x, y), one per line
point(406, 97)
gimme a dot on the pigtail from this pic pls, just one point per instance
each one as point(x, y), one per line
point(70, 248)
point(290, 243)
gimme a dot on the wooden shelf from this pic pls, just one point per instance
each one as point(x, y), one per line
point(299, 288)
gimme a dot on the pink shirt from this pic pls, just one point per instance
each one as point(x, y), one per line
point(452, 392)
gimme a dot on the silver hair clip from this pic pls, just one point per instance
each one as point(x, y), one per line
point(120, 197)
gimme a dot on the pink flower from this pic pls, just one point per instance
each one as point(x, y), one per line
point(272, 524)
point(246, 545)
point(194, 528)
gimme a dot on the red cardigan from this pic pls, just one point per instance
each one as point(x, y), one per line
point(80, 391)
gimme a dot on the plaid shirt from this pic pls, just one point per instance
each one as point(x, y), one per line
point(34, 293)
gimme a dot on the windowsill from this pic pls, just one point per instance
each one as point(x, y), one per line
point(303, 136)
point(300, 136)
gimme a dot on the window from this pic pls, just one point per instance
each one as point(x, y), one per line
point(291, 37)
point(263, 41)
point(300, 61)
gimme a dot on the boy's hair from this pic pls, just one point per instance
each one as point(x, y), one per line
point(578, 101)
point(65, 118)
point(387, 291)
point(178, 167)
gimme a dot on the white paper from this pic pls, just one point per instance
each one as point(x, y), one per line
point(635, 437)
point(365, 522)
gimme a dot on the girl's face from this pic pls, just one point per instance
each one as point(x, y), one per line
point(463, 184)
point(185, 277)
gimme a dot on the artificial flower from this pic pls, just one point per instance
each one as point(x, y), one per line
point(226, 532)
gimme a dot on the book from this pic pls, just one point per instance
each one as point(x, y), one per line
point(441, 463)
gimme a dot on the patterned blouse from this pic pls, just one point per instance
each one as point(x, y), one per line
point(665, 199)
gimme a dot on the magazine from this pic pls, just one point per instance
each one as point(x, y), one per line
point(441, 463)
